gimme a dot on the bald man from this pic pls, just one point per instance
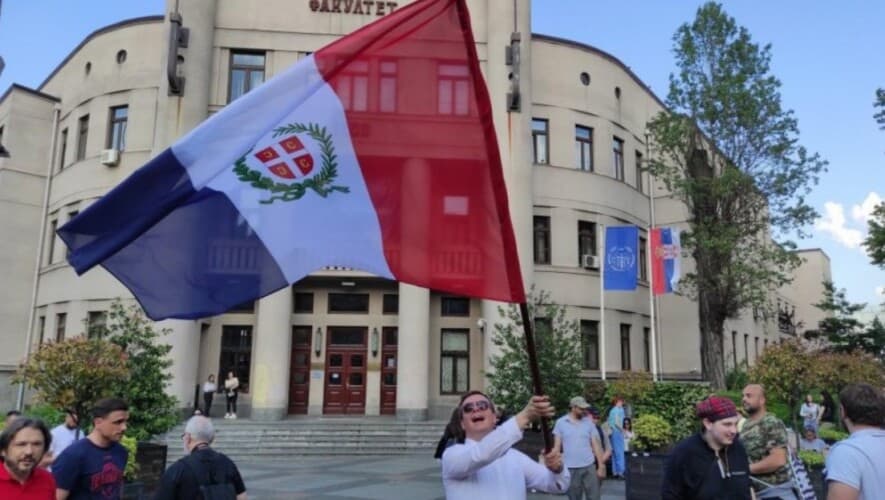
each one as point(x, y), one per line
point(765, 439)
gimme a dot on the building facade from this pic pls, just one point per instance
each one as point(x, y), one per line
point(572, 139)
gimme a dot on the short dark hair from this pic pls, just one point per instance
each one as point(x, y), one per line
point(105, 407)
point(863, 404)
point(9, 433)
point(13, 413)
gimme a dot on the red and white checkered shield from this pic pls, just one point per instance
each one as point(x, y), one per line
point(287, 159)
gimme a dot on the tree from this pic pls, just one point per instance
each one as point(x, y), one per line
point(729, 151)
point(788, 371)
point(838, 369)
point(558, 344)
point(875, 241)
point(74, 373)
point(880, 103)
point(841, 329)
point(152, 410)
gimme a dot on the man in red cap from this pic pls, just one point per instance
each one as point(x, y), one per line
point(711, 464)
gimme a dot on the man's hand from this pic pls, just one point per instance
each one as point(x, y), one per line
point(600, 471)
point(553, 461)
point(538, 406)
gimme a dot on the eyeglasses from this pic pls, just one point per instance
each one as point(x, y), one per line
point(477, 406)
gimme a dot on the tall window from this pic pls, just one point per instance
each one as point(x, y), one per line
point(454, 361)
point(646, 348)
point(246, 73)
point(584, 148)
point(50, 250)
point(625, 347)
point(302, 302)
point(756, 349)
point(60, 320)
point(387, 87)
point(540, 141)
point(590, 344)
point(71, 215)
point(586, 240)
point(455, 306)
point(353, 86)
point(747, 348)
point(618, 158)
point(639, 185)
point(453, 89)
point(390, 304)
point(643, 259)
point(542, 239)
point(82, 134)
point(63, 148)
point(41, 328)
point(117, 128)
point(96, 324)
point(734, 348)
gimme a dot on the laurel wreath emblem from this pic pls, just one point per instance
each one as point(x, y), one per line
point(321, 183)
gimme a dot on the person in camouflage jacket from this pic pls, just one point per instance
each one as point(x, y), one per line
point(765, 438)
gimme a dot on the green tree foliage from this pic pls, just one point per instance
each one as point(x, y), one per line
point(558, 344)
point(674, 402)
point(838, 369)
point(875, 241)
point(730, 152)
point(651, 432)
point(788, 371)
point(841, 329)
point(74, 373)
point(152, 410)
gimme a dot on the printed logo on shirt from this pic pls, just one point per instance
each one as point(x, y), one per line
point(107, 482)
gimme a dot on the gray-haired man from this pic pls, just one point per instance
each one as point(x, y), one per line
point(204, 471)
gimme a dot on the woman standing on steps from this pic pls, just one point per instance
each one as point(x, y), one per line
point(231, 389)
point(209, 389)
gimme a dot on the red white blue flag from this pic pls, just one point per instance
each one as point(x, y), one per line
point(665, 259)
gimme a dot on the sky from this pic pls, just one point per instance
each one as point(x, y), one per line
point(828, 56)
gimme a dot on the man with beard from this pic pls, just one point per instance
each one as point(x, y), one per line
point(578, 440)
point(482, 463)
point(765, 438)
point(710, 465)
point(22, 445)
point(92, 468)
point(63, 435)
point(856, 466)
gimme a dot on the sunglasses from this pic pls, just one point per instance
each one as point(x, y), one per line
point(477, 406)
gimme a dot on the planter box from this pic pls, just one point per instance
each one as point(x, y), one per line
point(151, 460)
point(818, 482)
point(645, 475)
point(133, 491)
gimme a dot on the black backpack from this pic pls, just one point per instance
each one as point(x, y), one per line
point(211, 487)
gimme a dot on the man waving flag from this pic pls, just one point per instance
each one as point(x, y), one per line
point(376, 152)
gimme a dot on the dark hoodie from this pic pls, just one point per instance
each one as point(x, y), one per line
point(692, 472)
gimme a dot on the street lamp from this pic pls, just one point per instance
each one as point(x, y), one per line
point(318, 341)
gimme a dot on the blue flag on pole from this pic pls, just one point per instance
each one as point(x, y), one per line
point(621, 257)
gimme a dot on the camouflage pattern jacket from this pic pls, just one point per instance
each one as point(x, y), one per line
point(759, 438)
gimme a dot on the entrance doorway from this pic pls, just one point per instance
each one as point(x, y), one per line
point(299, 370)
point(345, 386)
point(236, 354)
point(388, 370)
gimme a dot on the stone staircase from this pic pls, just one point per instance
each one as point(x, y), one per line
point(249, 440)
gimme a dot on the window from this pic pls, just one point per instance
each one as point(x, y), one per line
point(352, 86)
point(625, 347)
point(96, 324)
point(455, 306)
point(82, 134)
point(646, 348)
point(246, 73)
point(542, 239)
point(50, 251)
point(41, 328)
point(584, 148)
point(756, 349)
point(390, 304)
point(540, 141)
point(643, 259)
point(387, 87)
point(618, 152)
point(60, 320)
point(590, 344)
point(71, 216)
point(63, 148)
point(236, 354)
point(348, 302)
point(586, 240)
point(117, 128)
point(639, 185)
point(734, 348)
point(243, 308)
point(454, 361)
point(764, 345)
point(453, 89)
point(746, 348)
point(302, 302)
point(543, 326)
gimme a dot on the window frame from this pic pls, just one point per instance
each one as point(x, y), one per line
point(50, 250)
point(82, 136)
point(642, 276)
point(447, 312)
point(300, 299)
point(61, 320)
point(587, 232)
point(626, 354)
point(543, 233)
point(454, 79)
point(95, 319)
point(592, 333)
point(618, 158)
point(63, 149)
point(390, 303)
point(646, 347)
point(330, 310)
point(640, 185)
point(455, 356)
point(41, 329)
point(113, 122)
point(247, 68)
point(545, 134)
point(580, 142)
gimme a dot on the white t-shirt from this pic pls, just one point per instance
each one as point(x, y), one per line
point(62, 437)
point(209, 387)
point(859, 462)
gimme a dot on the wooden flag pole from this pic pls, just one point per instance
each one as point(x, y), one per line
point(535, 371)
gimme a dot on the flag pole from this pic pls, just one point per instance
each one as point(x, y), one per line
point(602, 302)
point(652, 302)
point(528, 329)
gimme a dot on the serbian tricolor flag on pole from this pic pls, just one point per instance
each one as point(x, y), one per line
point(665, 259)
point(376, 153)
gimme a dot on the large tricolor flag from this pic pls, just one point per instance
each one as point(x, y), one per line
point(665, 259)
point(376, 153)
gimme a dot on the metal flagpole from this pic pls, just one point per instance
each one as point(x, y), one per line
point(652, 301)
point(602, 301)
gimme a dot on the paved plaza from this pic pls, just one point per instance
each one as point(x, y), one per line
point(407, 477)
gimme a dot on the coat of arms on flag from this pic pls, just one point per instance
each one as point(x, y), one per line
point(281, 157)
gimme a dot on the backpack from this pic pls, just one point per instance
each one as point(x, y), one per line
point(210, 486)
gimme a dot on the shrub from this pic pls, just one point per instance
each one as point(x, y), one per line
point(736, 378)
point(651, 432)
point(50, 415)
point(632, 386)
point(811, 458)
point(595, 392)
point(788, 371)
point(830, 434)
point(675, 403)
point(131, 445)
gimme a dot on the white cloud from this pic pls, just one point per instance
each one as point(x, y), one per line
point(833, 223)
point(880, 291)
point(862, 212)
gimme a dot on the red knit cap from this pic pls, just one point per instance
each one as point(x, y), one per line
point(716, 408)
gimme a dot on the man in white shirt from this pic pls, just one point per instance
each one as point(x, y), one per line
point(483, 465)
point(63, 435)
point(578, 440)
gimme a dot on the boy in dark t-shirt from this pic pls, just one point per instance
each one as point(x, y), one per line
point(92, 468)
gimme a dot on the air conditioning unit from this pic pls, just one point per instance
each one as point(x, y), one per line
point(110, 157)
point(589, 261)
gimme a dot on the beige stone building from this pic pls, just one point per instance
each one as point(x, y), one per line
point(343, 341)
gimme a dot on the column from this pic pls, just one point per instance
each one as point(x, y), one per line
point(270, 356)
point(413, 351)
point(185, 354)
